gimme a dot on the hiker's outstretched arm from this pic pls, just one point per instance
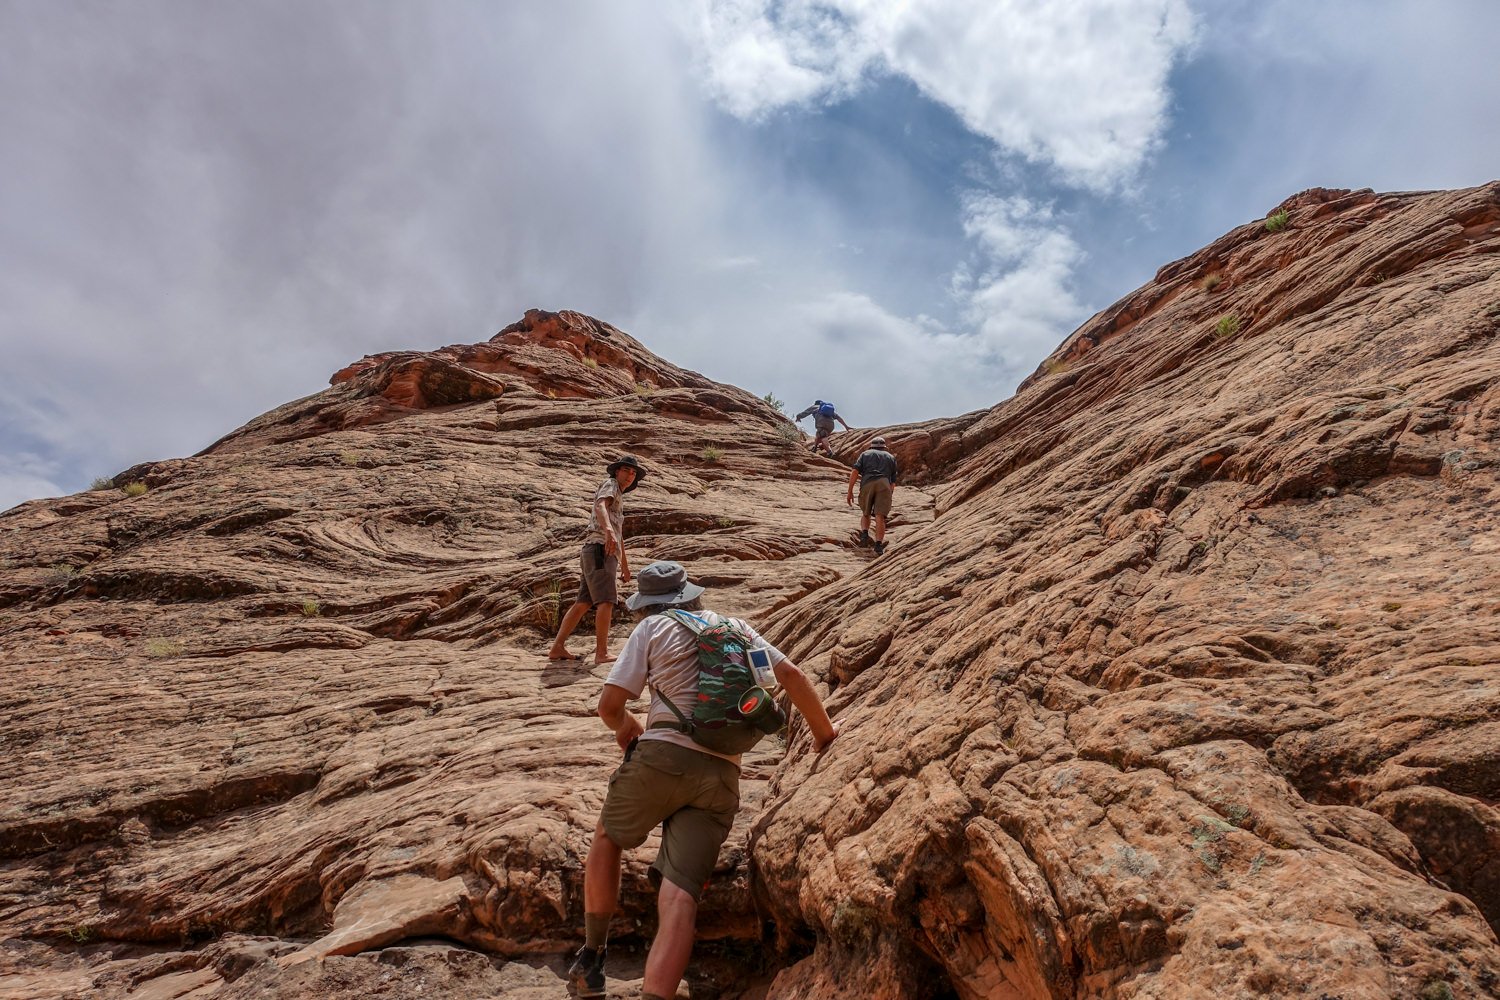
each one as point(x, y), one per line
point(621, 722)
point(805, 697)
point(841, 420)
point(805, 412)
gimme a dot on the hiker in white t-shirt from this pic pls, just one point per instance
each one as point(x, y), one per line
point(668, 778)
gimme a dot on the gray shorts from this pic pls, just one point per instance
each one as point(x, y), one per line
point(599, 573)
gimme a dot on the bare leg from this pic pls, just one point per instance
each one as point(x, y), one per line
point(602, 614)
point(601, 874)
point(677, 914)
point(864, 523)
point(879, 527)
point(569, 623)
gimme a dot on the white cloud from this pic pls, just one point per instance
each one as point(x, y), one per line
point(1081, 86)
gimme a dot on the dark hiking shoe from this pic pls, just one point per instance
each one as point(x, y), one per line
point(587, 972)
point(880, 548)
point(864, 538)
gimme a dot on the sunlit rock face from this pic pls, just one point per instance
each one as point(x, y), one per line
point(1181, 676)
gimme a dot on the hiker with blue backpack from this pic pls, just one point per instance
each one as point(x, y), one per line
point(711, 679)
point(823, 414)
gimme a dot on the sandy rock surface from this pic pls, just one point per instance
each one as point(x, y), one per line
point(1181, 679)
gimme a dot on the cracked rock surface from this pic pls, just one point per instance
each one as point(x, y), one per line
point(1181, 679)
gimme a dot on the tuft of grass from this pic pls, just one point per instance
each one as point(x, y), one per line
point(773, 402)
point(724, 522)
point(350, 457)
point(643, 388)
point(1277, 221)
point(711, 454)
point(60, 573)
point(1228, 326)
point(161, 649)
point(311, 609)
point(542, 610)
point(102, 483)
point(1212, 281)
point(1238, 814)
point(1436, 989)
point(590, 363)
point(789, 435)
point(133, 489)
point(1054, 366)
point(81, 934)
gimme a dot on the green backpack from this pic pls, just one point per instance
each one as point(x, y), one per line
point(724, 681)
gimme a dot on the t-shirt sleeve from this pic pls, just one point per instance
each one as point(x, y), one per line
point(859, 464)
point(755, 637)
point(608, 489)
point(629, 671)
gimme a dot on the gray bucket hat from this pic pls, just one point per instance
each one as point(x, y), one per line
point(878, 443)
point(662, 583)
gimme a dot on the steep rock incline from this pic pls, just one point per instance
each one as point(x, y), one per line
point(1193, 687)
point(299, 685)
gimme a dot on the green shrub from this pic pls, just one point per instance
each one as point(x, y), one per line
point(712, 454)
point(724, 522)
point(102, 483)
point(81, 934)
point(1276, 221)
point(773, 402)
point(1436, 989)
point(1228, 326)
point(133, 489)
point(312, 609)
point(789, 434)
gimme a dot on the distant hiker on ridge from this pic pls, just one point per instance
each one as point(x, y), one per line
point(876, 472)
point(602, 557)
point(824, 414)
point(708, 677)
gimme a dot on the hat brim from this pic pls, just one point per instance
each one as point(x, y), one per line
point(640, 473)
point(638, 600)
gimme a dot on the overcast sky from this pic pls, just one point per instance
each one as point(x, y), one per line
point(900, 205)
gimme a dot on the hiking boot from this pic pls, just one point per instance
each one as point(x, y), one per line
point(880, 548)
point(864, 537)
point(587, 972)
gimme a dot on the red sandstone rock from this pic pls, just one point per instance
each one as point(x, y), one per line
point(1189, 689)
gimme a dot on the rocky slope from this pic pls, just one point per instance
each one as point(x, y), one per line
point(1182, 681)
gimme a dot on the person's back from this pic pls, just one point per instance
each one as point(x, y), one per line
point(668, 778)
point(824, 414)
point(876, 471)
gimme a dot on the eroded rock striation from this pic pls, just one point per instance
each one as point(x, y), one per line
point(1182, 678)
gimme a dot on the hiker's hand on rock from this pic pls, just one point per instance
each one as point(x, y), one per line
point(821, 745)
point(629, 730)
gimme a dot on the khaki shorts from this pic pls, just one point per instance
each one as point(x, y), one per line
point(875, 497)
point(599, 571)
point(694, 797)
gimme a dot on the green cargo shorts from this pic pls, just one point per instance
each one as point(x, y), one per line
point(694, 797)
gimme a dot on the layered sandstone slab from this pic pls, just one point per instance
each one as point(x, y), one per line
point(1184, 685)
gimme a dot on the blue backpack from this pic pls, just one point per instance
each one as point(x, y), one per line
point(826, 410)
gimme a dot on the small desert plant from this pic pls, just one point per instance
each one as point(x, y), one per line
point(1436, 989)
point(711, 454)
point(789, 434)
point(60, 573)
point(1228, 326)
point(81, 934)
point(773, 402)
point(1212, 281)
point(590, 363)
point(544, 610)
point(643, 389)
point(1053, 366)
point(350, 457)
point(1276, 221)
point(312, 609)
point(133, 489)
point(102, 483)
point(724, 522)
point(163, 648)
point(1392, 606)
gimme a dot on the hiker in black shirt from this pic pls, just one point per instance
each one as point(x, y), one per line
point(876, 472)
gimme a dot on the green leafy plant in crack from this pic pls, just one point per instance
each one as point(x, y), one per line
point(102, 483)
point(312, 609)
point(1228, 326)
point(771, 401)
point(711, 454)
point(1277, 221)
